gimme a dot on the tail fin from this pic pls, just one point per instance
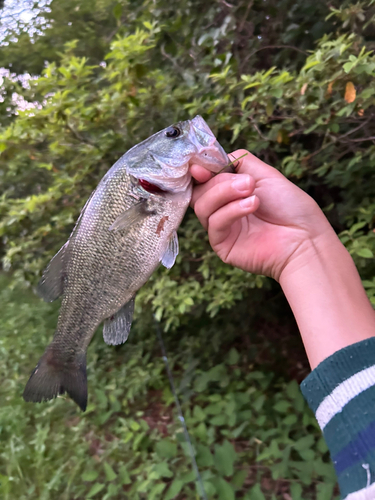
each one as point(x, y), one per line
point(54, 376)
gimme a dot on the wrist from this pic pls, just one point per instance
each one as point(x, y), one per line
point(318, 248)
point(325, 292)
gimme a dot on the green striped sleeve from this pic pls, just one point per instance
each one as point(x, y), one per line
point(341, 393)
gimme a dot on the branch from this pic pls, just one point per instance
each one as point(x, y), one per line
point(170, 58)
point(343, 136)
point(227, 4)
point(79, 137)
point(354, 129)
point(241, 26)
point(372, 138)
point(258, 130)
point(279, 47)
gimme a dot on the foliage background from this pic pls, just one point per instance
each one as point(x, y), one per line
point(293, 82)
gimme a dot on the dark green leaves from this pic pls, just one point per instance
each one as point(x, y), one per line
point(166, 449)
point(224, 458)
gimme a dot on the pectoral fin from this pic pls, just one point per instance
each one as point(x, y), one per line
point(169, 257)
point(134, 214)
point(51, 286)
point(116, 328)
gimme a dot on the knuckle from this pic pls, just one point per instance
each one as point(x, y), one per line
point(240, 152)
point(214, 222)
point(223, 177)
point(200, 210)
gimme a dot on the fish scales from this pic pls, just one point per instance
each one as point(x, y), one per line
point(127, 227)
point(107, 276)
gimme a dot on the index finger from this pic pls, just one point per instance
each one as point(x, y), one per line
point(251, 164)
point(200, 174)
point(199, 190)
point(243, 162)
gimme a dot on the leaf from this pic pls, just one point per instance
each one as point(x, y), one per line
point(117, 11)
point(256, 493)
point(350, 92)
point(90, 475)
point(224, 490)
point(309, 65)
point(199, 413)
point(276, 92)
point(282, 136)
point(366, 253)
point(324, 491)
point(233, 357)
point(304, 442)
point(293, 391)
point(110, 474)
point(205, 458)
point(163, 470)
point(218, 420)
point(348, 66)
point(282, 406)
point(95, 489)
point(329, 88)
point(239, 478)
point(224, 458)
point(209, 489)
point(296, 491)
point(166, 449)
point(124, 475)
point(156, 490)
point(269, 108)
point(357, 226)
point(174, 489)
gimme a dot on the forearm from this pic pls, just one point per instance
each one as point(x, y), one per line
point(334, 315)
point(325, 292)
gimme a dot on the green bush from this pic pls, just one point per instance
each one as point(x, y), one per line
point(291, 81)
point(252, 432)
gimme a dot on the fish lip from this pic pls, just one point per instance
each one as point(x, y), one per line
point(209, 153)
point(213, 158)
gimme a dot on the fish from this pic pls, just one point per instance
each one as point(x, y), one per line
point(127, 228)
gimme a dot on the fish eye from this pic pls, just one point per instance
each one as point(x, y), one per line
point(173, 132)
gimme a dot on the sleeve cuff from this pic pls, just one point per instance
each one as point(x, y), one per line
point(341, 393)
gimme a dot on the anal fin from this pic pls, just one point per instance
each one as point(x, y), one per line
point(169, 257)
point(116, 328)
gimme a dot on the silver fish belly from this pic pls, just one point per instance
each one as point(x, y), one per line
point(126, 229)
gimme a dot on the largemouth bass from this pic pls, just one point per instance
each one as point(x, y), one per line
point(126, 229)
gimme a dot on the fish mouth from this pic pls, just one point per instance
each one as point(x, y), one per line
point(209, 153)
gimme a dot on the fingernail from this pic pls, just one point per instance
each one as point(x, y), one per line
point(247, 202)
point(242, 184)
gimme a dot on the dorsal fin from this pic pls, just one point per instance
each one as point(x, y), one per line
point(51, 286)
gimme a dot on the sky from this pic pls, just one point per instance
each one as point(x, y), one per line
point(20, 15)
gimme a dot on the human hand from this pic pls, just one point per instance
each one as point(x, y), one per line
point(257, 219)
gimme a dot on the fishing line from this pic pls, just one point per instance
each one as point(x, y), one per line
point(180, 414)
